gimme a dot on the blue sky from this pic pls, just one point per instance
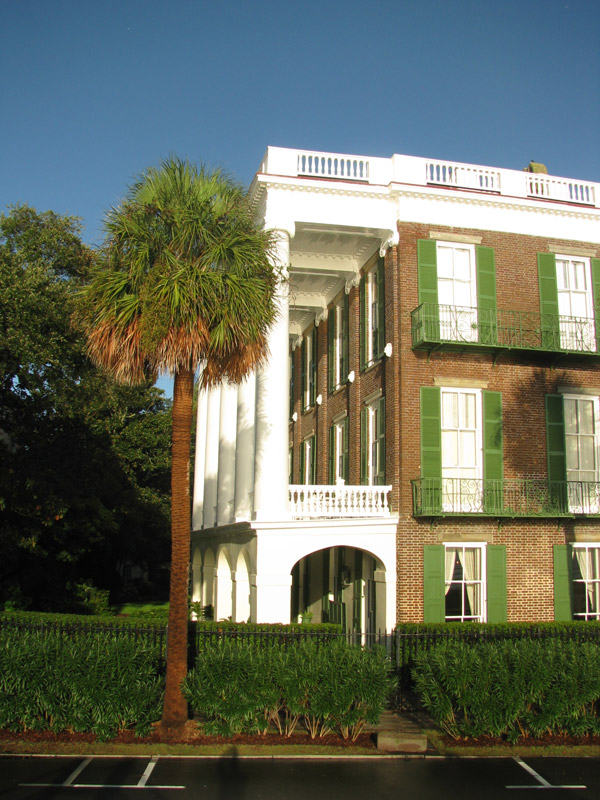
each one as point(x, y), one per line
point(94, 91)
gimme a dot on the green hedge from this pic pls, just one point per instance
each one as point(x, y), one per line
point(511, 688)
point(236, 688)
point(94, 683)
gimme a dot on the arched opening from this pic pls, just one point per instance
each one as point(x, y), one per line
point(242, 589)
point(208, 583)
point(224, 603)
point(197, 576)
point(342, 585)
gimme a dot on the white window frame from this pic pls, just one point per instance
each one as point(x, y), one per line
point(458, 322)
point(577, 331)
point(308, 479)
point(466, 583)
point(583, 492)
point(372, 309)
point(590, 584)
point(374, 442)
point(338, 378)
point(338, 453)
point(458, 495)
point(310, 372)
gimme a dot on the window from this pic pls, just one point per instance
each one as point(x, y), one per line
point(308, 462)
point(464, 581)
point(573, 441)
point(292, 383)
point(457, 292)
point(569, 295)
point(464, 587)
point(577, 581)
point(457, 287)
point(372, 315)
point(575, 304)
point(372, 443)
point(337, 344)
point(461, 451)
point(338, 452)
point(586, 581)
point(309, 369)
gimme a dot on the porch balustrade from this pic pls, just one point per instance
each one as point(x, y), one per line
point(439, 497)
point(339, 501)
point(500, 329)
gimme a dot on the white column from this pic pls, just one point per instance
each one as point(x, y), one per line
point(244, 449)
point(226, 471)
point(199, 461)
point(271, 501)
point(211, 461)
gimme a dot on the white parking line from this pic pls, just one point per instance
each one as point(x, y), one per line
point(543, 783)
point(70, 781)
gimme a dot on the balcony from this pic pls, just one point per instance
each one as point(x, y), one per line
point(335, 502)
point(441, 327)
point(446, 497)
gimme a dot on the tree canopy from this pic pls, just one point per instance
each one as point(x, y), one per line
point(84, 463)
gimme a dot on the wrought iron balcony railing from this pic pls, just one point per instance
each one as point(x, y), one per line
point(451, 327)
point(439, 497)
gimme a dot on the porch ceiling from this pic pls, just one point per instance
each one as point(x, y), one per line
point(322, 260)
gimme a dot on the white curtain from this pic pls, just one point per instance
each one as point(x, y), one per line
point(450, 559)
point(470, 573)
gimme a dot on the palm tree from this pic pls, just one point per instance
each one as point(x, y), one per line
point(185, 285)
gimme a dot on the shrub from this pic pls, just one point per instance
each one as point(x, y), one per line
point(237, 687)
point(96, 683)
point(511, 688)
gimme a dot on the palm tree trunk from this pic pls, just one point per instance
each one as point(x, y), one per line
point(175, 712)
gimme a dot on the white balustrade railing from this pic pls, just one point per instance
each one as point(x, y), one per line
point(447, 173)
point(339, 501)
point(333, 165)
point(569, 191)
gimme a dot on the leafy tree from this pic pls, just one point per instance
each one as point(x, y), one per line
point(84, 464)
point(186, 284)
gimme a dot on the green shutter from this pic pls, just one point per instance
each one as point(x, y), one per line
point(556, 450)
point(434, 598)
point(563, 583)
point(303, 463)
point(364, 449)
point(325, 587)
point(550, 331)
point(362, 295)
point(357, 595)
point(345, 337)
point(486, 295)
point(313, 459)
point(496, 582)
point(596, 289)
point(428, 288)
point(493, 470)
point(379, 334)
point(313, 367)
point(331, 471)
point(331, 350)
point(431, 449)
point(292, 382)
point(345, 466)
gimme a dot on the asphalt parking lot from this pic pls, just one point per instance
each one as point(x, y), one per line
point(47, 778)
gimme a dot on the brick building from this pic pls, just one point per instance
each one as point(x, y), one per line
point(424, 443)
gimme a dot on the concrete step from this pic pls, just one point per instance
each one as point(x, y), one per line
point(398, 733)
